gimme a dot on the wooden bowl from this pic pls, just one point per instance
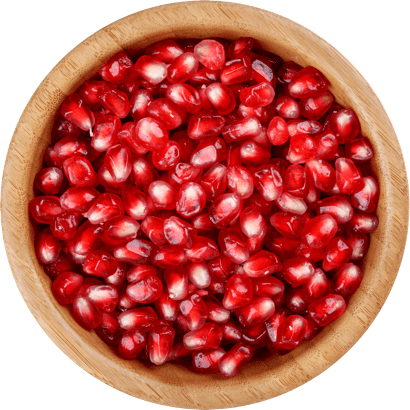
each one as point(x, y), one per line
point(265, 376)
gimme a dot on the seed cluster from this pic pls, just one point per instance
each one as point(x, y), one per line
point(204, 200)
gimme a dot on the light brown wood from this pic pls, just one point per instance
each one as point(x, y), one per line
point(172, 384)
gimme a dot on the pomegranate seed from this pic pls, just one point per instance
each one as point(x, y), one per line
point(336, 206)
point(66, 286)
point(208, 152)
point(109, 330)
point(359, 150)
point(64, 226)
point(120, 229)
point(295, 300)
point(297, 271)
point(268, 286)
point(345, 125)
point(100, 263)
point(88, 93)
point(346, 280)
point(139, 104)
point(199, 275)
point(168, 256)
point(49, 180)
point(76, 111)
point(146, 290)
point(338, 252)
point(233, 245)
point(316, 287)
point(221, 267)
point(106, 207)
point(151, 69)
point(185, 96)
point(248, 127)
point(252, 222)
point(291, 331)
point(160, 342)
point(136, 204)
point(258, 311)
point(210, 53)
point(117, 68)
point(235, 359)
point(78, 170)
point(166, 112)
point(151, 134)
point(308, 82)
point(47, 247)
point(136, 251)
point(191, 199)
point(104, 297)
point(236, 71)
point(348, 178)
point(314, 108)
point(207, 362)
point(142, 319)
point(359, 244)
point(182, 68)
point(205, 76)
point(302, 149)
point(208, 337)
point(69, 147)
point(283, 247)
point(61, 265)
point(231, 332)
point(321, 174)
point(164, 50)
point(221, 97)
point(113, 100)
point(213, 181)
point(262, 70)
point(269, 182)
point(177, 283)
point(238, 291)
point(327, 146)
point(319, 231)
point(202, 249)
point(367, 198)
point(45, 208)
point(138, 272)
point(258, 95)
point(253, 153)
point(153, 227)
point(262, 264)
point(224, 210)
point(118, 278)
point(278, 132)
point(183, 173)
point(205, 124)
point(194, 310)
point(162, 194)
point(287, 224)
point(327, 309)
point(239, 181)
point(85, 313)
point(362, 222)
point(105, 132)
point(241, 47)
point(287, 71)
point(126, 135)
point(131, 344)
point(286, 107)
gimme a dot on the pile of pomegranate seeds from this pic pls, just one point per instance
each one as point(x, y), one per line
point(204, 201)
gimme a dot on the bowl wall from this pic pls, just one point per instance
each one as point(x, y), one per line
point(173, 384)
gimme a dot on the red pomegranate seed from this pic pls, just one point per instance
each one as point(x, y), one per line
point(177, 283)
point(104, 297)
point(262, 70)
point(319, 231)
point(344, 125)
point(202, 249)
point(296, 182)
point(85, 313)
point(321, 174)
point(278, 132)
point(289, 225)
point(359, 244)
point(162, 194)
point(166, 112)
point(178, 232)
point(297, 271)
point(120, 229)
point(221, 97)
point(199, 275)
point(69, 147)
point(239, 181)
point(290, 332)
point(348, 178)
point(64, 226)
point(241, 47)
point(252, 153)
point(346, 280)
point(49, 180)
point(142, 319)
point(283, 247)
point(236, 71)
point(367, 198)
point(268, 286)
point(338, 252)
point(208, 337)
point(205, 76)
point(136, 204)
point(136, 251)
point(183, 173)
point(139, 104)
point(118, 163)
point(208, 152)
point(45, 208)
point(362, 222)
point(106, 207)
point(105, 132)
point(246, 128)
point(336, 206)
point(216, 312)
point(153, 227)
point(359, 150)
point(109, 330)
point(295, 300)
point(205, 124)
point(261, 264)
point(238, 291)
point(235, 359)
point(88, 93)
point(113, 100)
point(79, 171)
point(151, 134)
point(213, 181)
point(182, 68)
point(76, 111)
point(327, 146)
point(252, 222)
point(258, 95)
point(207, 362)
point(66, 286)
point(47, 247)
point(167, 307)
point(327, 309)
point(269, 182)
point(160, 342)
point(190, 200)
point(286, 107)
point(138, 272)
point(117, 68)
point(168, 256)
point(164, 50)
point(287, 71)
point(314, 108)
point(146, 290)
point(308, 82)
point(302, 149)
point(61, 265)
point(224, 210)
point(100, 263)
point(151, 69)
point(316, 287)
point(131, 344)
point(233, 245)
point(126, 136)
point(194, 310)
point(231, 332)
point(210, 53)
point(185, 96)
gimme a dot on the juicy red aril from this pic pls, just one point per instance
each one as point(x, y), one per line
point(220, 188)
point(210, 53)
point(327, 309)
point(76, 111)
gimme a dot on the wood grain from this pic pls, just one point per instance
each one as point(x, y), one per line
point(172, 384)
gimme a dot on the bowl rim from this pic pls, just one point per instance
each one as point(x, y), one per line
point(164, 385)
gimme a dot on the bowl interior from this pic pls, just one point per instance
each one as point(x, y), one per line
point(174, 384)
